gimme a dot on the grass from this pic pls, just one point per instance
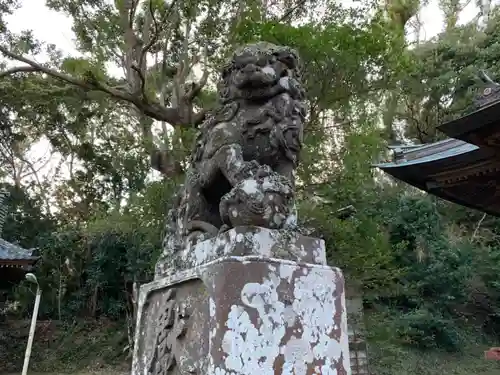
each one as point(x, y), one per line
point(405, 363)
point(389, 357)
point(411, 362)
point(74, 352)
point(89, 348)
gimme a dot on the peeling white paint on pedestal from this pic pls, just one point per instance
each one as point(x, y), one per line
point(274, 316)
point(252, 346)
point(255, 241)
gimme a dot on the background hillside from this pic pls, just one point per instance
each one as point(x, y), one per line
point(75, 158)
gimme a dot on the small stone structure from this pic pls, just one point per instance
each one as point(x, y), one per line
point(251, 301)
point(493, 354)
point(237, 289)
point(356, 329)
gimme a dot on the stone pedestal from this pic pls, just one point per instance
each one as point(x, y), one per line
point(251, 301)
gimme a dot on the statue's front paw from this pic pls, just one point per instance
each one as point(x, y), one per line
point(262, 172)
point(247, 170)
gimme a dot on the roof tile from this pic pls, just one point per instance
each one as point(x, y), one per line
point(9, 251)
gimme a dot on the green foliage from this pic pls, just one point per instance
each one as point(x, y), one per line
point(64, 346)
point(429, 269)
point(426, 329)
point(432, 302)
point(389, 357)
point(352, 53)
point(90, 270)
point(24, 218)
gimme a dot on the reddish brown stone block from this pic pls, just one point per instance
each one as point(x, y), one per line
point(493, 354)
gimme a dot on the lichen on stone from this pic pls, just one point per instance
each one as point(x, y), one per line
point(242, 164)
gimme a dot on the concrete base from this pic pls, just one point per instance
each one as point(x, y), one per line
point(244, 315)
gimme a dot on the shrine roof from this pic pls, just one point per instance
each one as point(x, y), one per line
point(427, 153)
point(12, 252)
point(477, 127)
point(465, 168)
point(452, 169)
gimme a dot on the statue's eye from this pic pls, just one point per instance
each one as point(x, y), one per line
point(289, 61)
point(243, 60)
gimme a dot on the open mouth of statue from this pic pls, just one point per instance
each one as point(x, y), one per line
point(255, 78)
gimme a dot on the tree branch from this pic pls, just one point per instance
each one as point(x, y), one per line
point(82, 12)
point(132, 11)
point(203, 81)
point(286, 17)
point(142, 79)
point(154, 110)
point(34, 173)
point(163, 162)
point(94, 85)
point(19, 69)
point(154, 38)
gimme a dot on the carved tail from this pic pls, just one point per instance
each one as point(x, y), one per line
point(203, 226)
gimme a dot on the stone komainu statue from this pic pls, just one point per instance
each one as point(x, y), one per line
point(246, 151)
